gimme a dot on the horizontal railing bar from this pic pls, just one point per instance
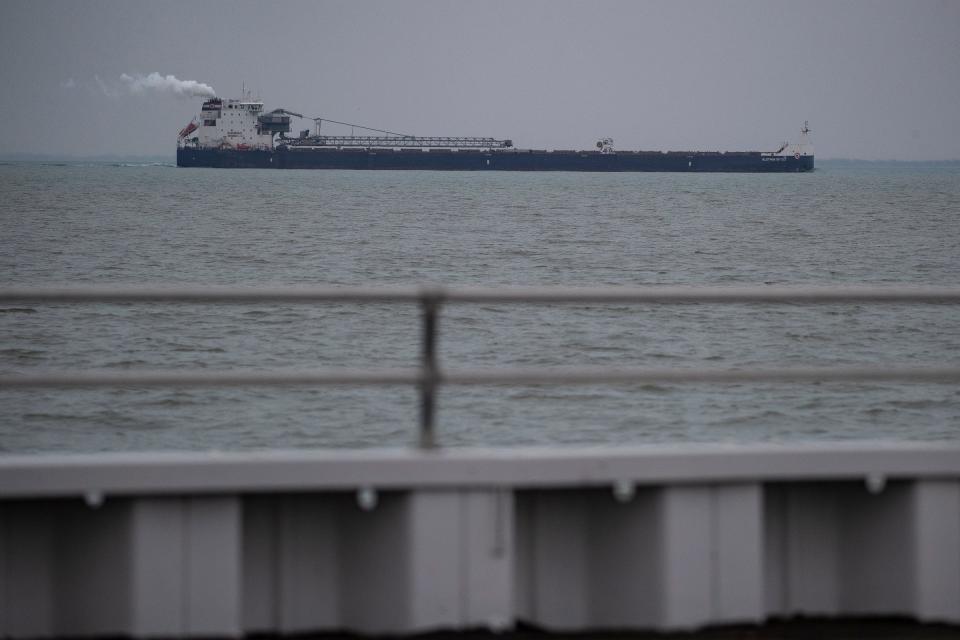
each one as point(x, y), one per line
point(207, 294)
point(647, 294)
point(225, 378)
point(655, 294)
point(596, 375)
point(479, 376)
point(170, 472)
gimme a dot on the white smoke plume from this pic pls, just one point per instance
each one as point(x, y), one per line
point(108, 90)
point(138, 83)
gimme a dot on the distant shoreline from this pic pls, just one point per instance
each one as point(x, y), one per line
point(886, 163)
point(39, 157)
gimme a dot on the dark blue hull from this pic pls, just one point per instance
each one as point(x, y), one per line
point(506, 160)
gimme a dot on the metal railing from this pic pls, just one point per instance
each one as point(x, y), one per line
point(429, 376)
point(396, 142)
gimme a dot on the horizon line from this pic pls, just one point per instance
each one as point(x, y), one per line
point(28, 156)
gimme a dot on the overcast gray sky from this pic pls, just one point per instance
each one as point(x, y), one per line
point(877, 79)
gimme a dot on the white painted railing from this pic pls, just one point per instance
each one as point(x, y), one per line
point(669, 537)
point(404, 541)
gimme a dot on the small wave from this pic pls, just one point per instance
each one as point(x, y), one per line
point(23, 353)
point(125, 364)
point(807, 336)
point(663, 356)
point(578, 397)
point(752, 418)
point(654, 388)
point(920, 404)
point(143, 164)
point(59, 417)
point(171, 402)
point(18, 310)
point(597, 349)
point(187, 349)
point(246, 259)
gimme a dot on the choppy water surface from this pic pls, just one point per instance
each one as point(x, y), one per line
point(155, 224)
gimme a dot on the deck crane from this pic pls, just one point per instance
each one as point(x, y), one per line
point(278, 121)
point(388, 139)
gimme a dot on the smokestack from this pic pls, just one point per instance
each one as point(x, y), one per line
point(170, 84)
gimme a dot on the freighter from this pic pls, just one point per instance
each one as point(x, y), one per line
point(240, 134)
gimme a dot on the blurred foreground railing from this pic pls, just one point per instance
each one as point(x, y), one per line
point(429, 376)
point(400, 541)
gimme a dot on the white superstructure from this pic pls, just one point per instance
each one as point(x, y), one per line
point(230, 124)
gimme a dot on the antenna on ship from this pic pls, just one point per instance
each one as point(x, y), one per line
point(806, 128)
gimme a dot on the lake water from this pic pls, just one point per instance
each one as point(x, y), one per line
point(842, 224)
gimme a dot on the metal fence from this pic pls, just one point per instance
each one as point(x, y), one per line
point(428, 376)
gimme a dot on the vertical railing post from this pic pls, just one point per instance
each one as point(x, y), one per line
point(430, 304)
